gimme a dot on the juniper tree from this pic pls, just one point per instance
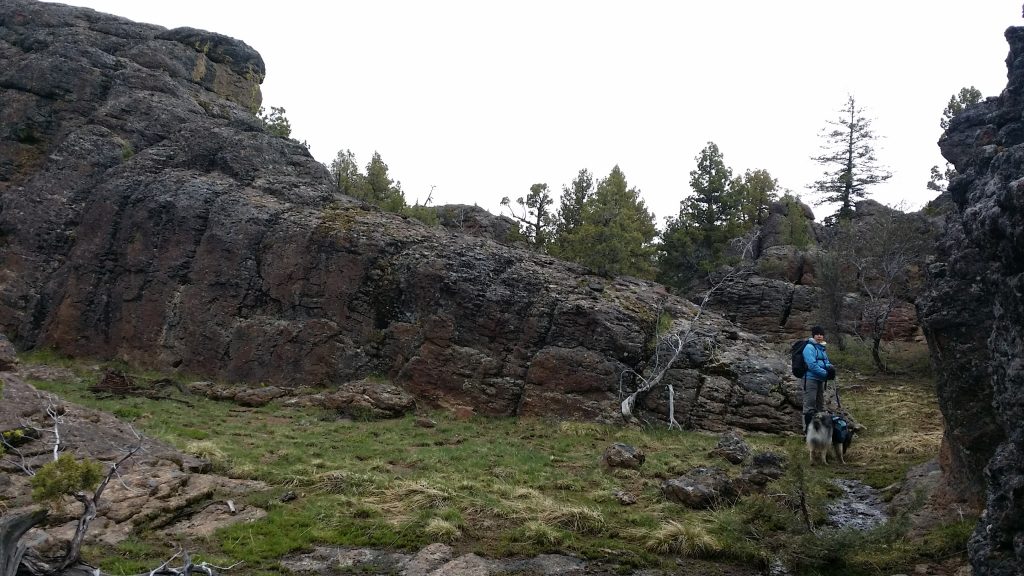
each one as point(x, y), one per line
point(615, 232)
point(570, 212)
point(535, 219)
point(275, 122)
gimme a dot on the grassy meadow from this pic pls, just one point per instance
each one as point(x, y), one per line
point(505, 487)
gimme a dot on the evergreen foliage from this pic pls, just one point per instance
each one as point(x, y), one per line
point(720, 209)
point(957, 103)
point(754, 192)
point(848, 156)
point(615, 231)
point(939, 179)
point(65, 476)
point(381, 189)
point(536, 220)
point(374, 186)
point(570, 212)
point(275, 122)
point(795, 228)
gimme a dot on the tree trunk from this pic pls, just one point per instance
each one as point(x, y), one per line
point(75, 545)
point(876, 344)
point(12, 528)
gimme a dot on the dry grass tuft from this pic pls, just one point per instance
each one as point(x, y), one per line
point(337, 482)
point(536, 532)
point(442, 530)
point(690, 540)
point(409, 496)
point(581, 519)
point(206, 450)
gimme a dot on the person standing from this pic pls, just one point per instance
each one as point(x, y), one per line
point(819, 371)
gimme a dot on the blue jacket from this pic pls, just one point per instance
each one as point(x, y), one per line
point(817, 361)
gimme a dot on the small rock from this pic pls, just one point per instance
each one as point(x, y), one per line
point(699, 488)
point(424, 422)
point(621, 455)
point(625, 498)
point(462, 412)
point(732, 447)
point(288, 496)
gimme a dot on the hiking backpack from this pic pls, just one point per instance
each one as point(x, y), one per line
point(797, 352)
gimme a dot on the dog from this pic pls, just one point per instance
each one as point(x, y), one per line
point(843, 430)
point(819, 437)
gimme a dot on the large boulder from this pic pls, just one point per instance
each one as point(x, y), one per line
point(148, 216)
point(973, 318)
point(8, 355)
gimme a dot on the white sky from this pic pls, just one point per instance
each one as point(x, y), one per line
point(482, 99)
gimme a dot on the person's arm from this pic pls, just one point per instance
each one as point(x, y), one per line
point(814, 367)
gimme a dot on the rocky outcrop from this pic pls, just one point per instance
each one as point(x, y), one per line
point(476, 221)
point(973, 317)
point(785, 292)
point(147, 216)
point(159, 487)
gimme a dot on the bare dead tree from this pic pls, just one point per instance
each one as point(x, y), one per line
point(670, 346)
point(881, 253)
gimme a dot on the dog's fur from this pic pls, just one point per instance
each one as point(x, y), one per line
point(819, 437)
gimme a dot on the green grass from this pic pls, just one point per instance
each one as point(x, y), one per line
point(503, 486)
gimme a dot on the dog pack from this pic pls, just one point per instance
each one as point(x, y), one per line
point(840, 429)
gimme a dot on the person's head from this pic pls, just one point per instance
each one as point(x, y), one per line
point(818, 333)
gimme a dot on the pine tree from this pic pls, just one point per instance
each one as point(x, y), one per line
point(694, 242)
point(848, 155)
point(347, 177)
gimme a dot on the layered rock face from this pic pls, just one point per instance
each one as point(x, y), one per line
point(973, 316)
point(784, 295)
point(146, 215)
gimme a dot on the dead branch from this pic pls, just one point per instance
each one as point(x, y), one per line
point(672, 345)
point(89, 514)
point(12, 549)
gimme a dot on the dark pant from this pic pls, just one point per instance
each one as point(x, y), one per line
point(814, 399)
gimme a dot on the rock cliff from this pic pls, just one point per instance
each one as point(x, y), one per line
point(785, 294)
point(146, 215)
point(973, 316)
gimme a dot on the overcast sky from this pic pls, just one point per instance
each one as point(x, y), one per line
point(482, 99)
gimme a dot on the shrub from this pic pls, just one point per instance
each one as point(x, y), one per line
point(65, 475)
